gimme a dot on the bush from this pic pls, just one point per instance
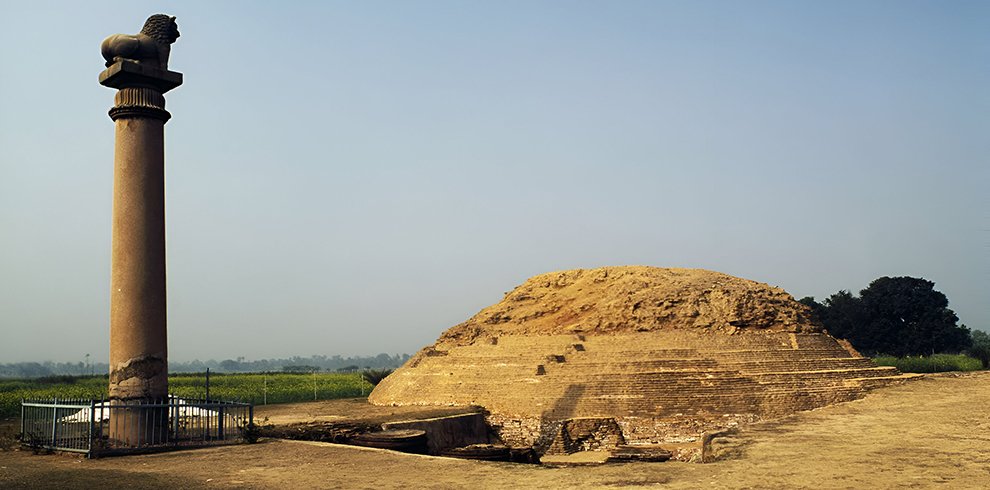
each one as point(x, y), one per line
point(981, 347)
point(57, 379)
point(982, 353)
point(375, 376)
point(937, 363)
point(252, 432)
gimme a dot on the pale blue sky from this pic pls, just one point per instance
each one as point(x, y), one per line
point(356, 177)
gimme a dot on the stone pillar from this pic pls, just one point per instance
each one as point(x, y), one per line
point(136, 67)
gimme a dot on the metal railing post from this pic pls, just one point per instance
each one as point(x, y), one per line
point(173, 408)
point(92, 427)
point(54, 421)
point(220, 422)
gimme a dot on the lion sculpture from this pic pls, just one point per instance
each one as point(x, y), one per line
point(152, 45)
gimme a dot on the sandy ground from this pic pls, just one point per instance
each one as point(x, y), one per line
point(929, 433)
point(355, 410)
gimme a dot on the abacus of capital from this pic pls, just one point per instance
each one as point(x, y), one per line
point(137, 66)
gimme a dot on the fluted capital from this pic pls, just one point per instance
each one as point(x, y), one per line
point(139, 102)
point(140, 88)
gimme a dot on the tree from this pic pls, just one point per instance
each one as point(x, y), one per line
point(817, 309)
point(301, 368)
point(981, 347)
point(909, 317)
point(230, 365)
point(895, 315)
point(843, 314)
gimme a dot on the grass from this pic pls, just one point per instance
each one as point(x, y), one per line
point(257, 388)
point(937, 363)
point(13, 390)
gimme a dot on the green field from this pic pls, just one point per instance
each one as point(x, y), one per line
point(937, 363)
point(254, 388)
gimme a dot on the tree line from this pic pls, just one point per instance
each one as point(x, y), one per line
point(899, 316)
point(238, 365)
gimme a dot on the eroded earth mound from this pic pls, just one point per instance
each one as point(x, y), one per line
point(635, 299)
point(641, 355)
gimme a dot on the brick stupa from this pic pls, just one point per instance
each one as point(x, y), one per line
point(663, 356)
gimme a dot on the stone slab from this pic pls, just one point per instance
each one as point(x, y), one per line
point(129, 73)
point(448, 432)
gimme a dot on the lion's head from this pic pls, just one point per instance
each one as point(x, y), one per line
point(162, 28)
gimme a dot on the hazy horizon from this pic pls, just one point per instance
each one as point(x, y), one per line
point(355, 178)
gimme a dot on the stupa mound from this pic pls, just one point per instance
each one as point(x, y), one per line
point(633, 355)
point(635, 299)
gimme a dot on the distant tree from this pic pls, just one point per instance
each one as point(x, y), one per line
point(899, 316)
point(300, 369)
point(981, 347)
point(33, 370)
point(230, 365)
point(383, 360)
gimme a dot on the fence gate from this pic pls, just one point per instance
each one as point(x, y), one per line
point(104, 427)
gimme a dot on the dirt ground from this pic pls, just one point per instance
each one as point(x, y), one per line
point(338, 420)
point(354, 410)
point(930, 433)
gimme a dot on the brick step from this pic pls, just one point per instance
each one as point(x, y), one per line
point(599, 364)
point(700, 369)
point(749, 396)
point(734, 389)
point(564, 374)
point(788, 364)
point(575, 362)
point(693, 405)
point(672, 354)
point(822, 375)
point(689, 341)
point(760, 355)
point(646, 351)
point(747, 367)
point(678, 382)
point(572, 358)
point(722, 356)
point(721, 403)
point(878, 381)
point(667, 408)
point(719, 375)
point(680, 339)
point(651, 378)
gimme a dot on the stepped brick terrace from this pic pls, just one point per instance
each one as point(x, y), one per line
point(657, 356)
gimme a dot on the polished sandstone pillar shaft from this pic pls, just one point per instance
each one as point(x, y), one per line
point(138, 335)
point(138, 329)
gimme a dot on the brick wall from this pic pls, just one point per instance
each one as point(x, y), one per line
point(660, 386)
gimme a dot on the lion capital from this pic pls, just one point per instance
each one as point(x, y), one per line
point(151, 46)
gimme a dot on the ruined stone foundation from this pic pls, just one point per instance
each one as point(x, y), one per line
point(669, 355)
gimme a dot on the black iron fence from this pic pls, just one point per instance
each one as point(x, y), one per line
point(105, 427)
